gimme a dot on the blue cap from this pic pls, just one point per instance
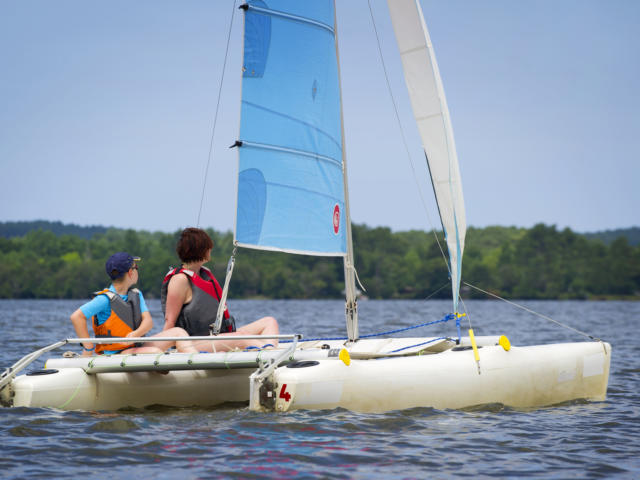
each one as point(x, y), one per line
point(119, 264)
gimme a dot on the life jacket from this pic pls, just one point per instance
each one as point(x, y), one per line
point(125, 318)
point(197, 316)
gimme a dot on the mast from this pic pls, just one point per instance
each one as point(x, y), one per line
point(351, 303)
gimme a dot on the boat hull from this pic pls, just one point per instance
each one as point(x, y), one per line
point(379, 377)
point(523, 377)
point(74, 389)
point(112, 382)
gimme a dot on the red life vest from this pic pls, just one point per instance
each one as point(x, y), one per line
point(197, 315)
point(125, 317)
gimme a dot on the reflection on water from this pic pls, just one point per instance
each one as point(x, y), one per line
point(578, 439)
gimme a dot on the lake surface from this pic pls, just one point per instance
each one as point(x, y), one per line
point(576, 440)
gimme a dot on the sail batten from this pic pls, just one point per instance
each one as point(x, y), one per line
point(431, 113)
point(288, 16)
point(311, 155)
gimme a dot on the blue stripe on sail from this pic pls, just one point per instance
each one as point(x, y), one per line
point(253, 189)
point(258, 29)
point(290, 182)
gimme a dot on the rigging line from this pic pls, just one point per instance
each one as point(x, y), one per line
point(215, 117)
point(443, 286)
point(444, 232)
point(534, 312)
point(466, 312)
point(404, 140)
point(418, 344)
point(444, 319)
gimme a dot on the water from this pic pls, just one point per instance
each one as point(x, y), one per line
point(576, 440)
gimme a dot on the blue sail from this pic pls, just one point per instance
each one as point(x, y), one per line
point(290, 180)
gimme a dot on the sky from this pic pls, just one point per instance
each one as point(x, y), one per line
point(107, 112)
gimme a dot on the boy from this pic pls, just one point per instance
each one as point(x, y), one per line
point(120, 311)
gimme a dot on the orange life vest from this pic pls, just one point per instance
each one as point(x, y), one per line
point(125, 318)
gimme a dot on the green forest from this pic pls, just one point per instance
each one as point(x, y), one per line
point(40, 261)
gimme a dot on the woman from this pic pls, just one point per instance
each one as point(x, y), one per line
point(120, 311)
point(191, 295)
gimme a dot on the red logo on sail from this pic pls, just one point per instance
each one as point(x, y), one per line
point(336, 219)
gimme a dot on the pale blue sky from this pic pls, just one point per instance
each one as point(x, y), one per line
point(106, 112)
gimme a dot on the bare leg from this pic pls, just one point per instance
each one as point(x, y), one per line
point(184, 346)
point(264, 326)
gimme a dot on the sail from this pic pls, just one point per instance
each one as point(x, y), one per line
point(432, 116)
point(290, 178)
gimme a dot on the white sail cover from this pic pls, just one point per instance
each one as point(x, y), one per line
point(432, 116)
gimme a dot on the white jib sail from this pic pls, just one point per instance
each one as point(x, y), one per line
point(432, 116)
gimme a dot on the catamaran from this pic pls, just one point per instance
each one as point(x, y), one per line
point(292, 197)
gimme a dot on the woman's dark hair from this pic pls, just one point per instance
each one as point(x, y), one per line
point(193, 245)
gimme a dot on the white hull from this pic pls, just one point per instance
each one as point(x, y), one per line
point(524, 377)
point(74, 389)
point(112, 382)
point(376, 379)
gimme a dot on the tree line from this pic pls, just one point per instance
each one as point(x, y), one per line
point(537, 263)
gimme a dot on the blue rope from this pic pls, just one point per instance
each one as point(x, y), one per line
point(444, 319)
point(418, 344)
point(253, 347)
